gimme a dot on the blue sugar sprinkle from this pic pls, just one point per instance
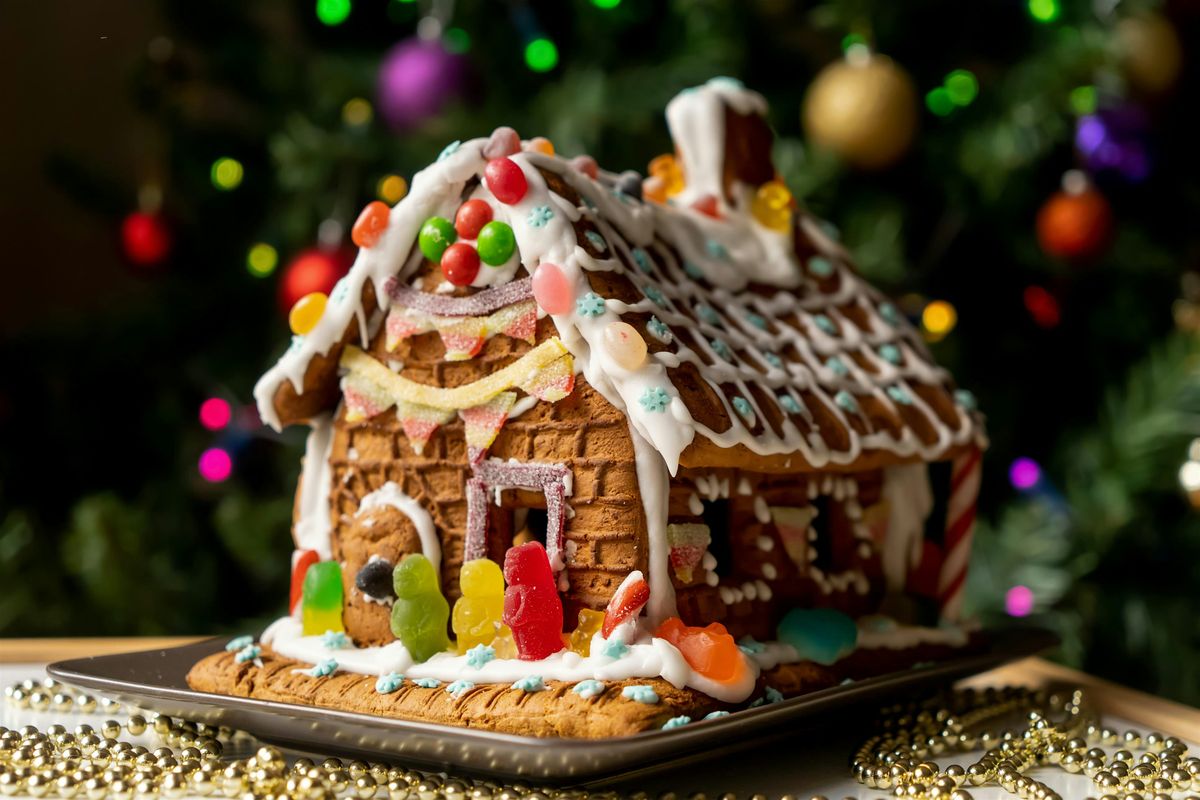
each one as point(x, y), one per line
point(590, 305)
point(757, 320)
point(389, 683)
point(716, 249)
point(836, 366)
point(588, 688)
point(749, 644)
point(239, 643)
point(479, 655)
point(460, 687)
point(530, 683)
point(825, 323)
point(743, 407)
point(324, 669)
point(721, 349)
point(655, 296)
point(676, 722)
point(449, 150)
point(846, 401)
point(821, 267)
point(789, 404)
point(614, 649)
point(248, 653)
point(716, 714)
point(539, 216)
point(707, 314)
point(642, 259)
point(428, 683)
point(890, 353)
point(640, 694)
point(889, 313)
point(655, 399)
point(966, 399)
point(659, 330)
point(900, 395)
point(773, 360)
point(692, 270)
point(596, 240)
point(335, 640)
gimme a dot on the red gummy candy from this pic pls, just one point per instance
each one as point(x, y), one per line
point(711, 651)
point(460, 264)
point(532, 608)
point(505, 180)
point(301, 561)
point(471, 217)
point(707, 205)
point(631, 596)
point(371, 224)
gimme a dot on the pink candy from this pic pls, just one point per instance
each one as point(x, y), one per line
point(477, 305)
point(587, 165)
point(552, 290)
point(504, 141)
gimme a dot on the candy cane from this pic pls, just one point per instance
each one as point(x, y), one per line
point(960, 529)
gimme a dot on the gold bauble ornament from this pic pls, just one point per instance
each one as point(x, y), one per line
point(863, 108)
point(1150, 51)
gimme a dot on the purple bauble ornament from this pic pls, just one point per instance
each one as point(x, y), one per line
point(416, 79)
point(1115, 140)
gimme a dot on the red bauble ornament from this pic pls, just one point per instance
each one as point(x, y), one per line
point(145, 239)
point(471, 217)
point(1075, 224)
point(505, 180)
point(312, 270)
point(460, 264)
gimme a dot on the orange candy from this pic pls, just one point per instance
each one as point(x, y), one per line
point(711, 651)
point(654, 190)
point(371, 224)
point(667, 169)
point(541, 144)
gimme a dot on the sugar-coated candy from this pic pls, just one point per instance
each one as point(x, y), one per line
point(301, 561)
point(589, 625)
point(321, 608)
point(496, 243)
point(625, 344)
point(772, 206)
point(630, 183)
point(375, 579)
point(503, 646)
point(504, 141)
point(540, 144)
point(710, 650)
point(436, 235)
point(818, 634)
point(420, 612)
point(460, 264)
point(552, 290)
point(505, 180)
point(668, 170)
point(532, 608)
point(477, 612)
point(629, 599)
point(707, 205)
point(371, 224)
point(307, 312)
point(471, 217)
point(587, 165)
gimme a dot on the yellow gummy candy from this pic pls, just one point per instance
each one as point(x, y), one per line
point(307, 312)
point(503, 644)
point(477, 613)
point(589, 624)
point(772, 206)
point(315, 621)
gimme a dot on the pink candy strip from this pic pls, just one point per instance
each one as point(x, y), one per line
point(549, 478)
point(477, 305)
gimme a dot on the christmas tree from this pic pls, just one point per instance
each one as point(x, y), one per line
point(1012, 171)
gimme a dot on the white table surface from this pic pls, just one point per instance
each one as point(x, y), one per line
point(812, 762)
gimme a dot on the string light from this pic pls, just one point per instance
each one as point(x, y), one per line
point(261, 260)
point(391, 188)
point(357, 111)
point(215, 413)
point(215, 465)
point(456, 41)
point(1018, 601)
point(1024, 474)
point(541, 55)
point(1045, 11)
point(1042, 306)
point(333, 12)
point(939, 318)
point(1084, 100)
point(227, 173)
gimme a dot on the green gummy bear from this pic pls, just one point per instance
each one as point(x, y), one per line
point(420, 613)
point(323, 586)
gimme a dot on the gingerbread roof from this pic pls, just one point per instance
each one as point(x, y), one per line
point(762, 338)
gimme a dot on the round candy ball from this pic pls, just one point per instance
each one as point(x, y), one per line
point(471, 217)
point(375, 579)
point(416, 80)
point(436, 235)
point(505, 180)
point(625, 344)
point(551, 289)
point(371, 224)
point(307, 312)
point(460, 264)
point(496, 243)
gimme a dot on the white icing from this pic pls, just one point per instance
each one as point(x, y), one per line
point(391, 496)
point(909, 500)
point(313, 523)
point(654, 488)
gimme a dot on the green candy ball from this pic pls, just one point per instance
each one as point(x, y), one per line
point(495, 243)
point(436, 235)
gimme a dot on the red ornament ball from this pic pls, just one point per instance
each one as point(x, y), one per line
point(145, 239)
point(460, 264)
point(505, 180)
point(1075, 225)
point(312, 270)
point(471, 217)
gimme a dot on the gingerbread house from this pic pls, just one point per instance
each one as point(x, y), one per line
point(681, 377)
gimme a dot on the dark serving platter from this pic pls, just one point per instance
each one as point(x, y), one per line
point(154, 680)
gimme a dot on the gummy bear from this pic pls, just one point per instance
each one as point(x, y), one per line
point(589, 623)
point(711, 651)
point(322, 599)
point(532, 608)
point(420, 612)
point(477, 613)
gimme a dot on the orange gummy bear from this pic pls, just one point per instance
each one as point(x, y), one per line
point(711, 651)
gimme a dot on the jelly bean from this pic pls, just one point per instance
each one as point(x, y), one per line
point(818, 634)
point(654, 190)
point(625, 344)
point(436, 235)
point(540, 144)
point(504, 141)
point(301, 561)
point(371, 224)
point(630, 183)
point(551, 289)
point(589, 625)
point(668, 169)
point(307, 312)
point(711, 651)
point(626, 602)
point(496, 243)
point(460, 264)
point(321, 606)
point(477, 613)
point(707, 205)
point(587, 165)
point(505, 180)
point(772, 206)
point(375, 579)
point(503, 644)
point(471, 217)
point(532, 608)
point(420, 612)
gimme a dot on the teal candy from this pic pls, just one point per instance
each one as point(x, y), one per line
point(436, 235)
point(420, 612)
point(322, 590)
point(495, 243)
point(818, 634)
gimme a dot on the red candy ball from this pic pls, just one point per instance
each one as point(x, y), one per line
point(505, 180)
point(460, 264)
point(471, 217)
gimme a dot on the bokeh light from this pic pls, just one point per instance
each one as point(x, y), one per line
point(1084, 100)
point(261, 260)
point(606, 4)
point(962, 87)
point(1042, 306)
point(1044, 10)
point(1189, 476)
point(456, 40)
point(392, 188)
point(939, 318)
point(938, 101)
point(1024, 474)
point(853, 40)
point(215, 465)
point(1018, 601)
point(215, 413)
point(227, 173)
point(541, 55)
point(333, 12)
point(357, 111)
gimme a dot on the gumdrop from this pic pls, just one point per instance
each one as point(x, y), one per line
point(321, 608)
point(819, 634)
point(471, 217)
point(532, 608)
point(504, 141)
point(496, 243)
point(301, 561)
point(667, 169)
point(307, 312)
point(587, 165)
point(589, 624)
point(625, 344)
point(540, 144)
point(460, 264)
point(505, 180)
point(371, 224)
point(477, 613)
point(711, 651)
point(630, 597)
point(420, 612)
point(552, 289)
